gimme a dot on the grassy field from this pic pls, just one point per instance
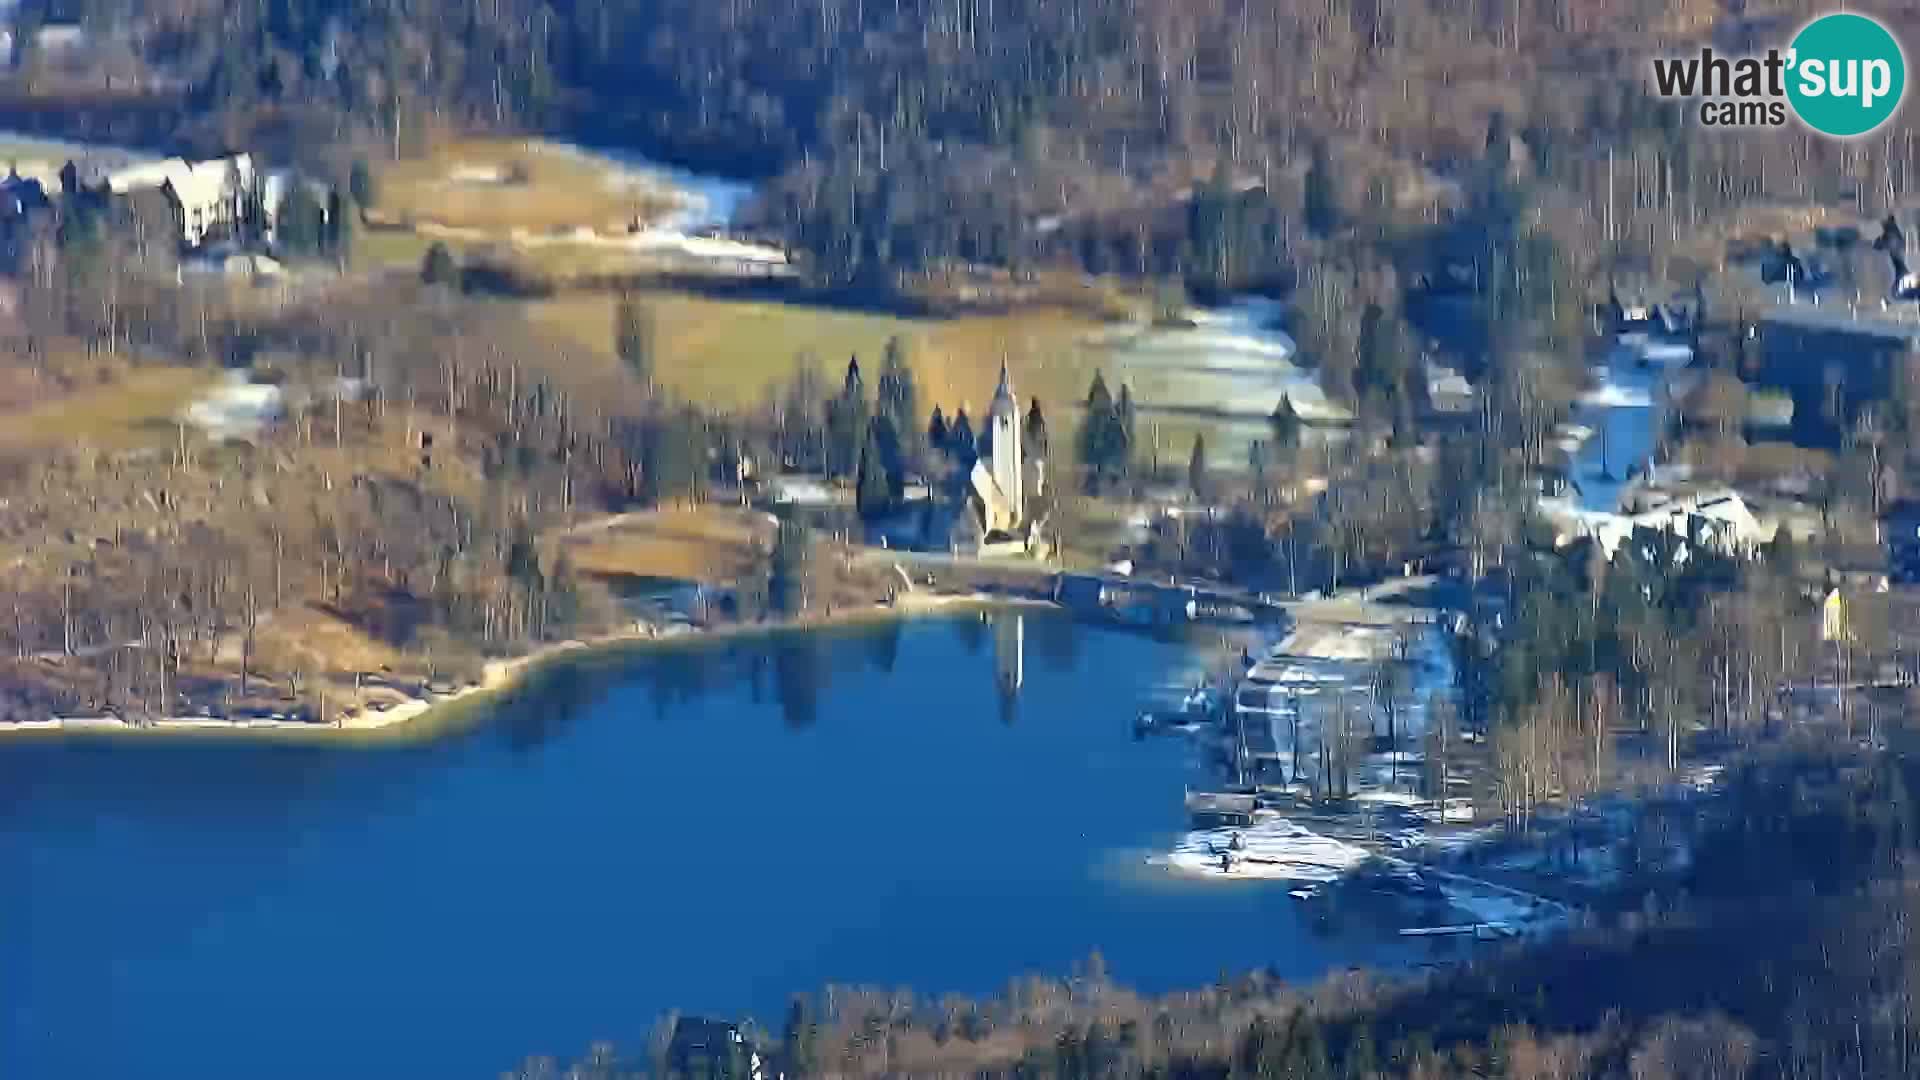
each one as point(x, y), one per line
point(140, 408)
point(694, 544)
point(499, 185)
point(723, 352)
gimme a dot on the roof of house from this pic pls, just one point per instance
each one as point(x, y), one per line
point(194, 183)
point(1725, 509)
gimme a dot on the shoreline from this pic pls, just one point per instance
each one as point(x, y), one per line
point(504, 673)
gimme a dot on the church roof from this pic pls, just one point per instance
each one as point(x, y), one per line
point(1003, 395)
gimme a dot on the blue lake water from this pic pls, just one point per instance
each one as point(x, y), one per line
point(708, 827)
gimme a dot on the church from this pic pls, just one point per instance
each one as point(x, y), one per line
point(1001, 511)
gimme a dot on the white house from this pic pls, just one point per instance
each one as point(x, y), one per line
point(1718, 520)
point(209, 196)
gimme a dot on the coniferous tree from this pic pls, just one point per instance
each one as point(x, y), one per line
point(1285, 423)
point(302, 223)
point(634, 337)
point(875, 488)
point(847, 417)
point(897, 398)
point(960, 440)
point(360, 183)
point(937, 434)
point(1322, 206)
point(438, 268)
point(1102, 439)
point(1197, 468)
point(1035, 434)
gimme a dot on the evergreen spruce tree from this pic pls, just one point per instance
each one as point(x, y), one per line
point(847, 423)
point(438, 267)
point(897, 398)
point(1285, 423)
point(1035, 434)
point(873, 493)
point(1322, 206)
point(1103, 434)
point(1197, 468)
point(960, 438)
point(633, 337)
point(361, 184)
point(937, 435)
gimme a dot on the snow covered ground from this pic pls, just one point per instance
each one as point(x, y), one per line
point(1624, 413)
point(1295, 691)
point(241, 409)
point(1273, 849)
point(1233, 364)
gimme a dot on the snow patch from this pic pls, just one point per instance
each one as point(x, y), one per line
point(1271, 849)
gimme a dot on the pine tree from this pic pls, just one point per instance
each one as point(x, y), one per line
point(634, 337)
point(343, 220)
point(1103, 439)
point(897, 398)
point(960, 438)
point(1123, 411)
point(360, 183)
point(302, 224)
point(1285, 423)
point(1197, 468)
point(937, 435)
point(438, 267)
point(1035, 435)
point(873, 490)
point(847, 417)
point(1322, 208)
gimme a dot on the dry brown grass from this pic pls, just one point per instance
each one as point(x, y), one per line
point(543, 187)
point(726, 353)
point(302, 638)
point(705, 543)
point(137, 407)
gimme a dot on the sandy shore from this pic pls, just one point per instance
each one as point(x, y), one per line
point(503, 674)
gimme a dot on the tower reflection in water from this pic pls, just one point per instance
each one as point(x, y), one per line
point(1009, 659)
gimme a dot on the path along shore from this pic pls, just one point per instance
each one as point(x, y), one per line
point(503, 674)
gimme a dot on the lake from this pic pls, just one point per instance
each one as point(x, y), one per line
point(708, 826)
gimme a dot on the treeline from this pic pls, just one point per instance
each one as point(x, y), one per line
point(1138, 136)
point(431, 454)
point(1785, 950)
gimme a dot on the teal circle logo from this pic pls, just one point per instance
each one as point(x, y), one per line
point(1845, 75)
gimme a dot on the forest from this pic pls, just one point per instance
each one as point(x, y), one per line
point(1151, 137)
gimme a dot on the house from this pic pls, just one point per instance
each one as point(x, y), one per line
point(1833, 361)
point(211, 198)
point(1720, 521)
point(54, 41)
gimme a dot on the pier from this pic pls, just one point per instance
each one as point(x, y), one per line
point(1135, 602)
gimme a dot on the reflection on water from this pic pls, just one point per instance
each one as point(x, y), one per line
point(710, 826)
